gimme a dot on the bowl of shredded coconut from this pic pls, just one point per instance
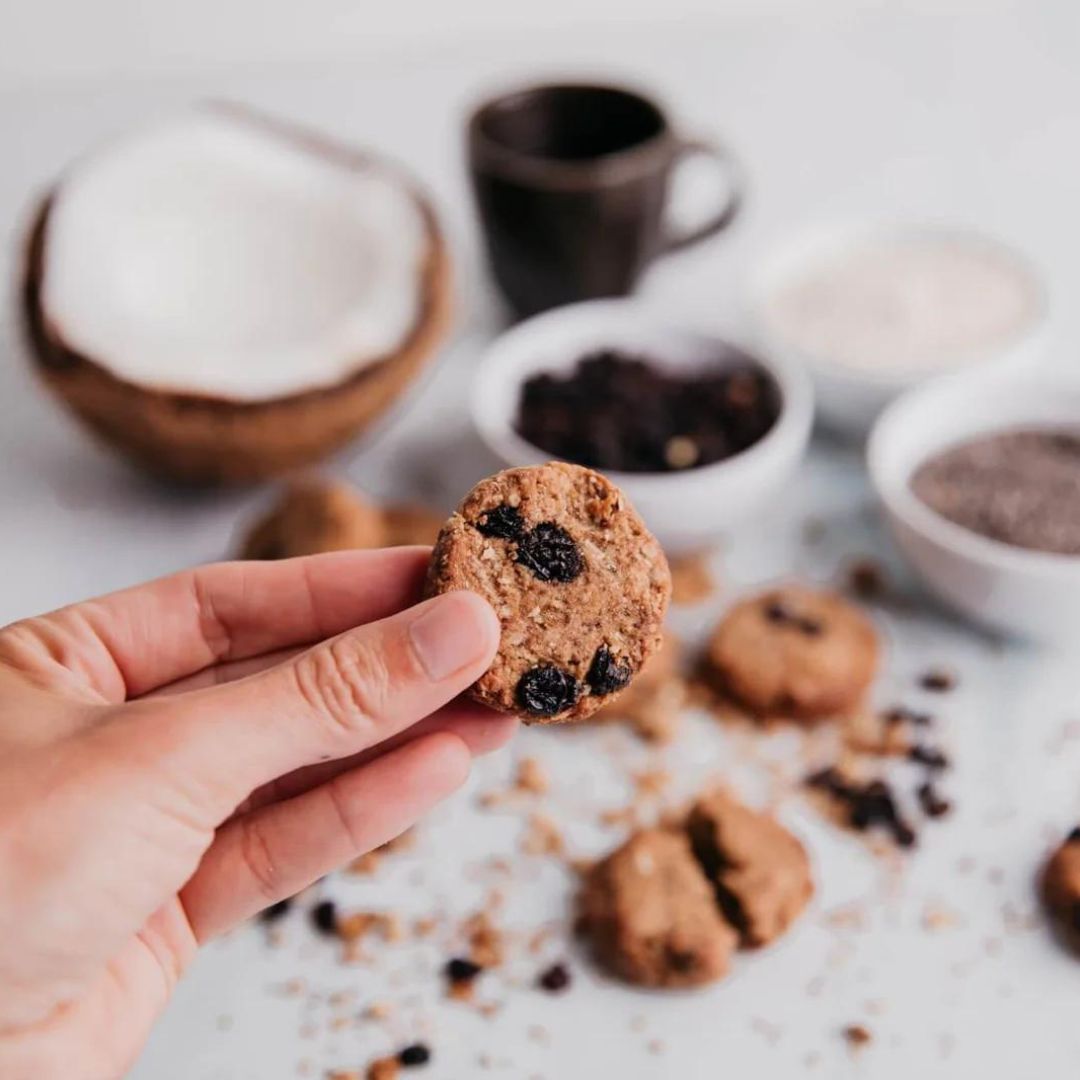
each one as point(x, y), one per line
point(875, 309)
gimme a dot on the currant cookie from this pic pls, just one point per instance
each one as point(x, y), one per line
point(794, 651)
point(580, 586)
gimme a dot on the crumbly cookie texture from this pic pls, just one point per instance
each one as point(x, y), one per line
point(1060, 888)
point(580, 585)
point(795, 652)
point(313, 516)
point(651, 916)
point(761, 872)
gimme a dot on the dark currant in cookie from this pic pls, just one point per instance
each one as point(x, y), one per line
point(550, 552)
point(502, 522)
point(606, 674)
point(547, 690)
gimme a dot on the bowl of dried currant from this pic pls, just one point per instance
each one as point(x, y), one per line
point(698, 432)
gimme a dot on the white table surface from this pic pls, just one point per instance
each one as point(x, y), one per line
point(971, 115)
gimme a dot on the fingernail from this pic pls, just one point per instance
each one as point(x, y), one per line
point(455, 630)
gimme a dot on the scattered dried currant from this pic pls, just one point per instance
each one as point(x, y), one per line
point(930, 756)
point(324, 917)
point(606, 674)
point(502, 522)
point(276, 911)
point(550, 552)
point(547, 690)
point(1074, 836)
point(933, 803)
point(460, 970)
point(554, 979)
point(937, 680)
point(415, 1054)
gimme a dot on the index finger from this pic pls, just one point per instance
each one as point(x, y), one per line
point(130, 642)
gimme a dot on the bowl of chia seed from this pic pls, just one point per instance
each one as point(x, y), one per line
point(979, 477)
point(698, 431)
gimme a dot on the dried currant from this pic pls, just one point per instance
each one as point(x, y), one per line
point(547, 690)
point(606, 674)
point(503, 522)
point(550, 552)
point(1074, 836)
point(414, 1054)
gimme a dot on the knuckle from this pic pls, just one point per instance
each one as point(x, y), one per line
point(346, 683)
point(257, 855)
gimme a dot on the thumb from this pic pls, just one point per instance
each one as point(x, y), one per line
point(345, 695)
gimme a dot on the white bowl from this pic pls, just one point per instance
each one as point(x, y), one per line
point(850, 399)
point(1020, 592)
point(685, 509)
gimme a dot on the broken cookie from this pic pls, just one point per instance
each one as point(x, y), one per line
point(761, 872)
point(651, 916)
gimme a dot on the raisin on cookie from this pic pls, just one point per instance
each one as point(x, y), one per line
point(579, 584)
point(760, 871)
point(1060, 888)
point(795, 652)
point(651, 917)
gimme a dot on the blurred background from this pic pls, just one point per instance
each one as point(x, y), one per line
point(942, 110)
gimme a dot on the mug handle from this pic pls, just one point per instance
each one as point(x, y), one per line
point(727, 212)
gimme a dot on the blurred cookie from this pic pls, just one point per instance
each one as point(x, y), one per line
point(1061, 889)
point(760, 871)
point(580, 586)
point(651, 917)
point(794, 651)
point(405, 524)
point(311, 517)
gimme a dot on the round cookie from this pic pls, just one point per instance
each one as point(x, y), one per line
point(1060, 888)
point(650, 914)
point(760, 871)
point(312, 517)
point(580, 586)
point(794, 651)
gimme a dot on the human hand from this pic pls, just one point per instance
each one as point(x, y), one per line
point(177, 756)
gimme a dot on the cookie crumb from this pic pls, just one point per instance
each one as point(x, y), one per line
point(384, 1068)
point(531, 777)
point(867, 579)
point(857, 1036)
point(542, 837)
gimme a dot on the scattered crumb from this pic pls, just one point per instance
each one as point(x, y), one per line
point(531, 777)
point(485, 940)
point(384, 1068)
point(542, 837)
point(857, 1036)
point(938, 680)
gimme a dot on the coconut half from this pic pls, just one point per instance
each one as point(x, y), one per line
point(224, 298)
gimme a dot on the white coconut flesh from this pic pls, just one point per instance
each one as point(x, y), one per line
point(217, 256)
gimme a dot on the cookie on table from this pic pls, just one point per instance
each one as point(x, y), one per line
point(760, 871)
point(794, 651)
point(651, 917)
point(312, 517)
point(579, 584)
point(1060, 888)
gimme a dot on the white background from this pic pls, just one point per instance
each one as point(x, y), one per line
point(965, 111)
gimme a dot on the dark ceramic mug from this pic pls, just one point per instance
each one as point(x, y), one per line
point(571, 181)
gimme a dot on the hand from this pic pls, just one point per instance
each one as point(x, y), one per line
point(175, 757)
